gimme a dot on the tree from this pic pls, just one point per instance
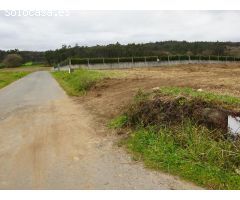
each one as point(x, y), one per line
point(13, 60)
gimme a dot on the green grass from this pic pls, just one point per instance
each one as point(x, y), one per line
point(8, 77)
point(186, 149)
point(207, 96)
point(31, 64)
point(78, 82)
point(118, 122)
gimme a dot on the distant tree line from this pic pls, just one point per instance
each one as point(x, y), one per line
point(148, 49)
point(27, 56)
point(163, 48)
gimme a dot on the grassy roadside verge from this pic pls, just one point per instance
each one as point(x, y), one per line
point(78, 82)
point(187, 149)
point(8, 77)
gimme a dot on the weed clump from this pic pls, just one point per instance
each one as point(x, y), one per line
point(162, 109)
point(183, 132)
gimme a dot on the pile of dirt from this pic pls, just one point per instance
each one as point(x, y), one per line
point(169, 110)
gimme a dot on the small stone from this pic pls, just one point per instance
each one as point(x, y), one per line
point(199, 90)
point(155, 88)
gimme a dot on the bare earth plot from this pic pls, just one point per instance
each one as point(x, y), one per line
point(50, 141)
point(111, 96)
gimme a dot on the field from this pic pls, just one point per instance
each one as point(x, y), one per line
point(7, 77)
point(109, 98)
point(115, 94)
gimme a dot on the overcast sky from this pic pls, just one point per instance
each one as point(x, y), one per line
point(104, 27)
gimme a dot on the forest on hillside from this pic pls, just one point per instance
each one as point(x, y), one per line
point(119, 50)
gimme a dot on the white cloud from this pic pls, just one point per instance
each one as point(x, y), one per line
point(103, 27)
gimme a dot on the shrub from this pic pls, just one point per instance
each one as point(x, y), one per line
point(163, 58)
point(127, 59)
point(1, 65)
point(77, 61)
point(152, 58)
point(139, 59)
point(110, 60)
point(96, 60)
point(12, 60)
point(173, 58)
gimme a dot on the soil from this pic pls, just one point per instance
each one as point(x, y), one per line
point(112, 96)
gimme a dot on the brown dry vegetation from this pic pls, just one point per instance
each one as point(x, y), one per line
point(110, 96)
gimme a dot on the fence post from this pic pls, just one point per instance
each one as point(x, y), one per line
point(189, 59)
point(88, 62)
point(118, 60)
point(145, 60)
point(103, 61)
point(132, 59)
point(69, 65)
point(168, 58)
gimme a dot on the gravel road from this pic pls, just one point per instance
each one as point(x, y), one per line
point(47, 141)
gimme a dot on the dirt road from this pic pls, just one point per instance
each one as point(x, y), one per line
point(48, 141)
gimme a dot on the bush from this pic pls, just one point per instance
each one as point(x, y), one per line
point(139, 59)
point(1, 65)
point(126, 59)
point(110, 60)
point(77, 61)
point(96, 60)
point(173, 58)
point(12, 60)
point(163, 58)
point(151, 58)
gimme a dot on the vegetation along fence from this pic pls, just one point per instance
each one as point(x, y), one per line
point(126, 62)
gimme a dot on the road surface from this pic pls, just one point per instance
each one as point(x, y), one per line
point(47, 141)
